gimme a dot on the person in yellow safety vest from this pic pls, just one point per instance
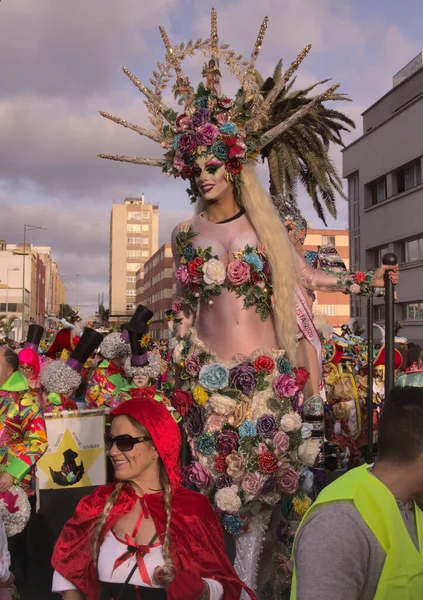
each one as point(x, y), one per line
point(363, 537)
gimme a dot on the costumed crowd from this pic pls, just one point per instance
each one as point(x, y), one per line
point(247, 421)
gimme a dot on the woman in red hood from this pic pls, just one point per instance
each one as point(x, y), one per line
point(145, 537)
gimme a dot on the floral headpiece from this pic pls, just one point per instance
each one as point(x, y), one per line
point(232, 130)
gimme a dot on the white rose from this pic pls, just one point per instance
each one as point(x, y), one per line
point(291, 422)
point(308, 451)
point(228, 500)
point(223, 405)
point(214, 272)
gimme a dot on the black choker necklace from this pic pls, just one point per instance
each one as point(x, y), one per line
point(239, 214)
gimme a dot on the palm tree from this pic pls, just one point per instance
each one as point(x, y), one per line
point(301, 154)
point(7, 325)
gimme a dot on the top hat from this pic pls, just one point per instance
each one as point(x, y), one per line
point(138, 339)
point(33, 339)
point(140, 316)
point(380, 359)
point(90, 340)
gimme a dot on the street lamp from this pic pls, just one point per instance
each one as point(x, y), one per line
point(7, 288)
point(26, 228)
point(77, 292)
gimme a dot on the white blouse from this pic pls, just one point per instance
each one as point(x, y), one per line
point(111, 549)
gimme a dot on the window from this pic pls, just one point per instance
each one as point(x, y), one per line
point(412, 311)
point(329, 309)
point(409, 176)
point(354, 219)
point(412, 251)
point(145, 241)
point(130, 306)
point(133, 253)
point(132, 228)
point(133, 241)
point(145, 214)
point(376, 257)
point(131, 280)
point(134, 216)
point(132, 266)
point(130, 293)
point(145, 227)
point(376, 192)
point(328, 240)
point(12, 306)
point(379, 313)
point(145, 253)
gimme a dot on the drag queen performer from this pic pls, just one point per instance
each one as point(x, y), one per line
point(236, 305)
point(146, 536)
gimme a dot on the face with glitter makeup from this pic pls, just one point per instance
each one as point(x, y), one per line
point(210, 179)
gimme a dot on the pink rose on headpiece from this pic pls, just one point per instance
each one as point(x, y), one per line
point(183, 122)
point(239, 150)
point(178, 162)
point(238, 272)
point(221, 117)
point(225, 102)
point(207, 134)
point(186, 143)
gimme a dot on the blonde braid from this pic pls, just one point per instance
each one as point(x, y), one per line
point(164, 575)
point(98, 527)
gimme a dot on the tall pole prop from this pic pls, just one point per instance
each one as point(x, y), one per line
point(369, 454)
point(389, 259)
point(23, 288)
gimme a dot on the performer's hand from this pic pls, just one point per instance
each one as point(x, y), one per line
point(6, 482)
point(186, 586)
point(379, 280)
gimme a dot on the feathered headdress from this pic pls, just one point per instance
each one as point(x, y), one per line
point(232, 130)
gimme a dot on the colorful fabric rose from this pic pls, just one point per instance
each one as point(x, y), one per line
point(225, 102)
point(284, 366)
point(221, 117)
point(355, 288)
point(359, 277)
point(229, 129)
point(200, 395)
point(214, 376)
point(281, 443)
point(176, 307)
point(254, 259)
point(193, 365)
point(252, 483)
point(260, 449)
point(301, 505)
point(247, 429)
point(175, 140)
point(215, 422)
point(183, 122)
point(289, 481)
point(233, 165)
point(223, 481)
point(205, 444)
point(220, 150)
point(200, 117)
point(236, 465)
point(201, 102)
point(238, 272)
point(223, 405)
point(270, 484)
point(239, 150)
point(220, 464)
point(243, 377)
point(266, 426)
point(268, 463)
point(186, 143)
point(228, 500)
point(301, 377)
point(182, 276)
point(226, 442)
point(214, 272)
point(178, 162)
point(264, 363)
point(206, 135)
point(291, 422)
point(196, 419)
point(285, 386)
point(232, 524)
point(197, 475)
point(195, 268)
point(181, 401)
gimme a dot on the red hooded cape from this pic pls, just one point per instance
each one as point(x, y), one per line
point(197, 542)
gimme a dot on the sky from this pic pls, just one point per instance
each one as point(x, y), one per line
point(60, 63)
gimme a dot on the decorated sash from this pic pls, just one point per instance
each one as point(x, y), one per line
point(306, 326)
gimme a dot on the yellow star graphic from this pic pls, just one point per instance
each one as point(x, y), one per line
point(55, 460)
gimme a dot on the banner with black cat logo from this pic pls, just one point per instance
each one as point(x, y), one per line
point(75, 456)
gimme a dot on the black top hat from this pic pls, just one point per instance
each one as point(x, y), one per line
point(90, 340)
point(136, 334)
point(140, 316)
point(33, 339)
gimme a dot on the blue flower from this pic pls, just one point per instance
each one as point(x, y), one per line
point(254, 259)
point(220, 150)
point(247, 429)
point(214, 377)
point(206, 444)
point(233, 524)
point(284, 366)
point(202, 102)
point(189, 252)
point(228, 128)
point(176, 140)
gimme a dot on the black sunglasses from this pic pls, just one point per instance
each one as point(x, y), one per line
point(124, 442)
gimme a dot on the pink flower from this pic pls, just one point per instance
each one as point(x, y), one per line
point(281, 443)
point(215, 422)
point(178, 162)
point(186, 143)
point(182, 276)
point(239, 150)
point(207, 134)
point(261, 449)
point(285, 386)
point(288, 481)
point(193, 365)
point(221, 117)
point(253, 483)
point(238, 272)
point(355, 288)
point(198, 475)
point(183, 122)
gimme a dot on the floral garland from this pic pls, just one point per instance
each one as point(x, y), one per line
point(355, 283)
point(203, 275)
point(240, 464)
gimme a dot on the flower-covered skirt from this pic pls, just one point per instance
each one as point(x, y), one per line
point(243, 427)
